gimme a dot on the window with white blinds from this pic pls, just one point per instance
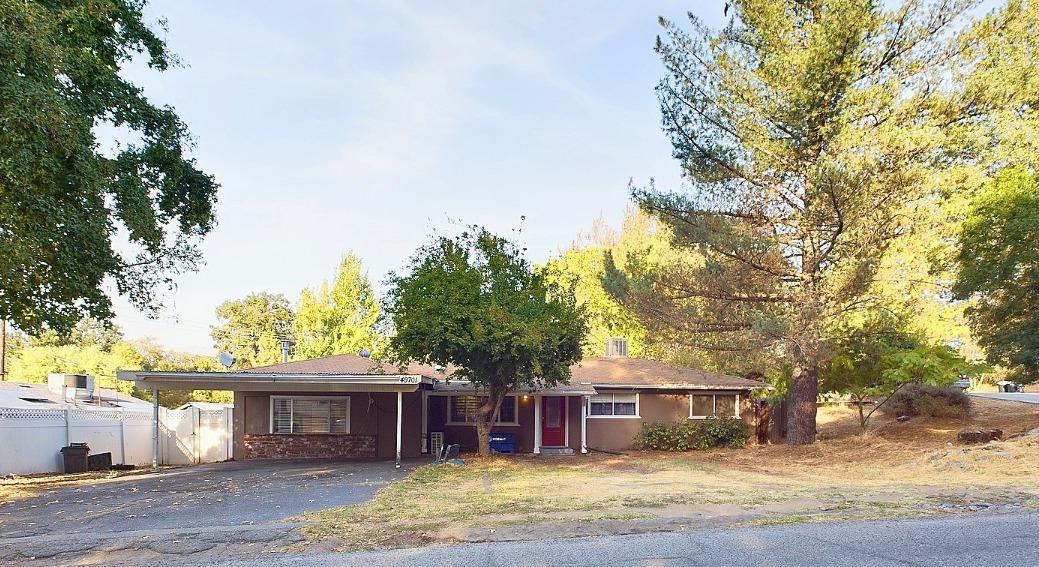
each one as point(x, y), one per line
point(310, 414)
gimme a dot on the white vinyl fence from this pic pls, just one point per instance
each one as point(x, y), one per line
point(31, 439)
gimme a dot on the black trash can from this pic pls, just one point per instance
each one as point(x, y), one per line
point(75, 457)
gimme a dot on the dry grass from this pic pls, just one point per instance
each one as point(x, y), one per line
point(895, 469)
point(16, 487)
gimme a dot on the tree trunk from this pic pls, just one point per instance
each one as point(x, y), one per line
point(804, 394)
point(486, 415)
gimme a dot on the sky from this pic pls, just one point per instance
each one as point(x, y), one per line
point(365, 126)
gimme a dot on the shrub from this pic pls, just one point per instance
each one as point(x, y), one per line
point(930, 401)
point(693, 435)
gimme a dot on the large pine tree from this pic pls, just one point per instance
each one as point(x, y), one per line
point(804, 129)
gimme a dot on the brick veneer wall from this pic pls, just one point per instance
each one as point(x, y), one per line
point(276, 446)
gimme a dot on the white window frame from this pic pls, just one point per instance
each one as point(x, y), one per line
point(451, 397)
point(349, 413)
point(638, 410)
point(714, 405)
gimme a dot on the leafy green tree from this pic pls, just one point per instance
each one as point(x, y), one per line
point(803, 130)
point(880, 355)
point(583, 267)
point(341, 316)
point(998, 262)
point(71, 213)
point(252, 328)
point(475, 304)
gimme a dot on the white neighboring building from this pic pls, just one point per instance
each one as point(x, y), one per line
point(60, 392)
point(37, 420)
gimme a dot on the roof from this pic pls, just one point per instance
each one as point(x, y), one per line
point(462, 385)
point(353, 371)
point(619, 371)
point(21, 396)
point(206, 406)
point(345, 364)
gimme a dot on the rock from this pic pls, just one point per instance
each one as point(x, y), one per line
point(971, 436)
point(903, 418)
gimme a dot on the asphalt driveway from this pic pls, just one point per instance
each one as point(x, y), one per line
point(211, 504)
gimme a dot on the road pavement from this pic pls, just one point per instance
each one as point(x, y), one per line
point(1007, 540)
point(1028, 398)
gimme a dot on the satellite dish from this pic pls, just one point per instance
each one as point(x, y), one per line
point(226, 359)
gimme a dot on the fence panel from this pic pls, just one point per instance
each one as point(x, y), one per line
point(31, 439)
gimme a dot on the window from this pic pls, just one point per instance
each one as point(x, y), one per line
point(463, 409)
point(702, 406)
point(310, 414)
point(613, 405)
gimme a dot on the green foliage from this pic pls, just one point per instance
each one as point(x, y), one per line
point(474, 303)
point(583, 267)
point(693, 435)
point(928, 400)
point(341, 316)
point(96, 354)
point(251, 329)
point(998, 261)
point(73, 215)
point(804, 131)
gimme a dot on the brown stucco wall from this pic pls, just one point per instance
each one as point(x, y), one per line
point(617, 434)
point(371, 415)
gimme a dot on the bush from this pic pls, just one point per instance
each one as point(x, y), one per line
point(693, 435)
point(929, 401)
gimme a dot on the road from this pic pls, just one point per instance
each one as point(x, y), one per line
point(1027, 398)
point(1007, 540)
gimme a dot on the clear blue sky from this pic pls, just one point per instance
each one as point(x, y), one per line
point(336, 126)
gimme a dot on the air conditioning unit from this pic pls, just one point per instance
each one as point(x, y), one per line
point(436, 442)
point(76, 386)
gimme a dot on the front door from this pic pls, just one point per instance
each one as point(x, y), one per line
point(553, 421)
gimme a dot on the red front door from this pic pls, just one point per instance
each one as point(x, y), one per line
point(553, 421)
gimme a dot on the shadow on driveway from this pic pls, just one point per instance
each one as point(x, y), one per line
point(213, 495)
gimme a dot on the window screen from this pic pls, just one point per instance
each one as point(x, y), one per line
point(701, 406)
point(464, 409)
point(613, 404)
point(310, 415)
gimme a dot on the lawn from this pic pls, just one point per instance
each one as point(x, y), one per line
point(896, 469)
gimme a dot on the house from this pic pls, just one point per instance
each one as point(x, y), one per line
point(352, 406)
point(68, 391)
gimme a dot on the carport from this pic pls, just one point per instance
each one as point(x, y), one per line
point(281, 413)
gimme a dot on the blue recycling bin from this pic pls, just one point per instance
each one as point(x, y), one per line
point(503, 442)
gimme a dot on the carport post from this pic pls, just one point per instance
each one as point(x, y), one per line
point(584, 424)
point(400, 411)
point(155, 429)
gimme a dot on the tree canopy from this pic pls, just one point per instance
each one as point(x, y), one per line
point(804, 130)
point(998, 262)
point(474, 304)
point(340, 316)
point(252, 328)
point(74, 214)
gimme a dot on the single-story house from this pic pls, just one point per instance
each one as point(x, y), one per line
point(352, 406)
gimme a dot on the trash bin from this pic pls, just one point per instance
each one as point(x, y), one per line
point(75, 457)
point(503, 442)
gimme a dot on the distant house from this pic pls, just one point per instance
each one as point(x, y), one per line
point(68, 391)
point(352, 406)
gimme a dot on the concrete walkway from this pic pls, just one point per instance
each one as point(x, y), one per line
point(1027, 398)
